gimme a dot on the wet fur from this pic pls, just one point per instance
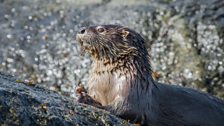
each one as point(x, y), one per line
point(121, 81)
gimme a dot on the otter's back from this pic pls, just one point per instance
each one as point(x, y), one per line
point(185, 106)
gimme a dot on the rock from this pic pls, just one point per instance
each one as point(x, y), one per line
point(25, 105)
point(185, 37)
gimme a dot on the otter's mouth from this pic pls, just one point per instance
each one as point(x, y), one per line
point(79, 38)
point(85, 46)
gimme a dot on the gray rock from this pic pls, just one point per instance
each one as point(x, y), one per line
point(24, 105)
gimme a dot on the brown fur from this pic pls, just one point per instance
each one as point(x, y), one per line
point(121, 82)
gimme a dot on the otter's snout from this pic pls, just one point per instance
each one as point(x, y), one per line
point(81, 33)
point(82, 36)
point(82, 30)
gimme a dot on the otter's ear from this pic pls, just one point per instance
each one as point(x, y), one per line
point(125, 33)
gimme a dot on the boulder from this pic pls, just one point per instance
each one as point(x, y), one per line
point(26, 105)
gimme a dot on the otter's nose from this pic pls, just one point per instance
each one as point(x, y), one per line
point(82, 30)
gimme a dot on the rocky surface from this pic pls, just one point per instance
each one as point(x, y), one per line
point(185, 37)
point(24, 105)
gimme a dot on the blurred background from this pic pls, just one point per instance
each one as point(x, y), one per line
point(185, 39)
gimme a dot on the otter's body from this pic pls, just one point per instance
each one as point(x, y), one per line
point(180, 106)
point(122, 93)
point(121, 82)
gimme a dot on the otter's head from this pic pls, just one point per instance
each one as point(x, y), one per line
point(111, 42)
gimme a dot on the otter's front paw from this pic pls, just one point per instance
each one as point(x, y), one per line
point(79, 89)
point(83, 97)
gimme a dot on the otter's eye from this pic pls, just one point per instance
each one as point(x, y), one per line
point(100, 29)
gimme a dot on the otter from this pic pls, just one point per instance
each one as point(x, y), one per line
point(121, 82)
